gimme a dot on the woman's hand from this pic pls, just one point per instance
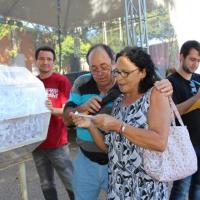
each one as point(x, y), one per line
point(81, 122)
point(106, 122)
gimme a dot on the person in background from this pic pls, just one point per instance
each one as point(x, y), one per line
point(140, 120)
point(186, 84)
point(90, 94)
point(170, 71)
point(54, 152)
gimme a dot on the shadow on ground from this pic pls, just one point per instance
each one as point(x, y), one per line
point(9, 182)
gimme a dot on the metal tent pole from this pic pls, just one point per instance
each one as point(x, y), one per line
point(59, 34)
point(22, 181)
point(133, 17)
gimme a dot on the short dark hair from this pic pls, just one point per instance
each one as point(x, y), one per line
point(143, 61)
point(107, 49)
point(188, 45)
point(45, 48)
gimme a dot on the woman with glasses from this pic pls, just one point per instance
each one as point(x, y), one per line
point(140, 120)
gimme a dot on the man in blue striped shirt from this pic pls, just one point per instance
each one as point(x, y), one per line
point(87, 96)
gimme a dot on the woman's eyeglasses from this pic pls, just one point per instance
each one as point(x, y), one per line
point(123, 74)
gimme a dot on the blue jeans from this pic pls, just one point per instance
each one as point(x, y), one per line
point(188, 186)
point(46, 160)
point(89, 178)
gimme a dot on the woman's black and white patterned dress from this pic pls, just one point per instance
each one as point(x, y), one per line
point(127, 178)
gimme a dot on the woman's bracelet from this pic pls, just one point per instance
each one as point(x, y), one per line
point(122, 128)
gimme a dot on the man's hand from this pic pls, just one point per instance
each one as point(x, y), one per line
point(92, 105)
point(49, 105)
point(54, 111)
point(164, 86)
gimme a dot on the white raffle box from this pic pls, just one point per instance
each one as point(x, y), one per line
point(24, 118)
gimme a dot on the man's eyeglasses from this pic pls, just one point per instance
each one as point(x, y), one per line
point(101, 68)
point(123, 74)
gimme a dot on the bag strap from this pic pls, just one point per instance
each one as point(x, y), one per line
point(149, 94)
point(175, 113)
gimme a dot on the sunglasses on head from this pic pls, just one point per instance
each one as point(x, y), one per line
point(193, 87)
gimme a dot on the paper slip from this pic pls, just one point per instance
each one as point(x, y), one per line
point(83, 115)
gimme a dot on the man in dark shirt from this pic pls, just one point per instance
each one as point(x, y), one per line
point(186, 85)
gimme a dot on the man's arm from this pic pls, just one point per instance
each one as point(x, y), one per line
point(64, 91)
point(66, 113)
point(186, 105)
point(91, 106)
point(75, 101)
point(54, 111)
point(194, 106)
point(178, 96)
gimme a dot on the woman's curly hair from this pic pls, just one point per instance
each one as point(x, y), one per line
point(143, 61)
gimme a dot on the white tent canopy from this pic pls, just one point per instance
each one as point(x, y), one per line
point(72, 12)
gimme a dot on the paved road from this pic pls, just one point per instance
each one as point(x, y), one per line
point(9, 184)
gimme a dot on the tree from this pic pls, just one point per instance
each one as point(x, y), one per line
point(8, 28)
point(69, 52)
point(159, 25)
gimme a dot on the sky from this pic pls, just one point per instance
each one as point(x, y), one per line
point(185, 19)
